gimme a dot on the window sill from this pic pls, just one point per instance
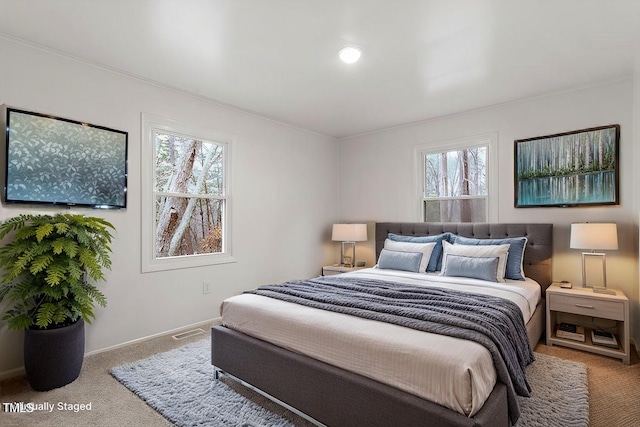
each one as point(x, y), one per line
point(180, 262)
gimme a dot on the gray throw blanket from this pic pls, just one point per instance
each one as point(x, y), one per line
point(493, 322)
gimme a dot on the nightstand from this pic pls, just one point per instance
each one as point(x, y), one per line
point(583, 307)
point(330, 270)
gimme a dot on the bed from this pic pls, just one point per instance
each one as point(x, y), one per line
point(342, 392)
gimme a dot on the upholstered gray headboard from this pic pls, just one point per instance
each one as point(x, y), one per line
point(537, 255)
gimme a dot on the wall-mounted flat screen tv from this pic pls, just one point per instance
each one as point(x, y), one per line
point(59, 161)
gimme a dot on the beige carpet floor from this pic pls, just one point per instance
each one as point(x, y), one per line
point(614, 390)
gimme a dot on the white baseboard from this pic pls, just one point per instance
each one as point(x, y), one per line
point(159, 334)
point(20, 371)
point(11, 373)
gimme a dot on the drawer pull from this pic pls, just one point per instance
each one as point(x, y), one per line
point(584, 306)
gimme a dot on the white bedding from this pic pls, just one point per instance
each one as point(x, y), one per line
point(452, 372)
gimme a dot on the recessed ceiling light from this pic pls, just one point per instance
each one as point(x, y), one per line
point(350, 54)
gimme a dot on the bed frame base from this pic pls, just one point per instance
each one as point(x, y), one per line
point(219, 373)
point(333, 396)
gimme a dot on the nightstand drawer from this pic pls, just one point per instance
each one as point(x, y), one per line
point(327, 272)
point(587, 306)
point(332, 270)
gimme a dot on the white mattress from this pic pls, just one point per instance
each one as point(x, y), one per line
point(452, 372)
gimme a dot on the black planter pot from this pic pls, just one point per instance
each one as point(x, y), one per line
point(53, 357)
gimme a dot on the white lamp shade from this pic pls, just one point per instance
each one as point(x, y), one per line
point(592, 236)
point(349, 232)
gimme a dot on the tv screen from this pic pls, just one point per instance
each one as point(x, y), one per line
point(64, 162)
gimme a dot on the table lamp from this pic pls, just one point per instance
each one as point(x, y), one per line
point(349, 234)
point(601, 236)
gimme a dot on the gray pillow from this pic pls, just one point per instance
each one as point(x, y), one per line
point(483, 268)
point(396, 260)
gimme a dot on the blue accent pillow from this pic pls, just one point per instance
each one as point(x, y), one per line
point(515, 257)
point(435, 262)
point(483, 268)
point(396, 260)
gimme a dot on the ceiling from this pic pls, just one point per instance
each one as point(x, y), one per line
point(279, 58)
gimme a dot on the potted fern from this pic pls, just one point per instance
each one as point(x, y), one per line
point(49, 263)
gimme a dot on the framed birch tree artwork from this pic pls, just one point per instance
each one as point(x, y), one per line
point(578, 168)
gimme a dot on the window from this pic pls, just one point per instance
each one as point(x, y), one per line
point(186, 209)
point(454, 182)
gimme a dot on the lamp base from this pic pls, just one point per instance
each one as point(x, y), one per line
point(603, 290)
point(348, 261)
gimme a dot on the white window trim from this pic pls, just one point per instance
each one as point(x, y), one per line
point(149, 262)
point(489, 139)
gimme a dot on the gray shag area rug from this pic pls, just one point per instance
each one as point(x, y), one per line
point(559, 394)
point(180, 385)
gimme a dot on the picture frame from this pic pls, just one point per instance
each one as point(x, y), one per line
point(50, 160)
point(570, 169)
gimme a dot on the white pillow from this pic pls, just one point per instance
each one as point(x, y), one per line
point(479, 251)
point(424, 248)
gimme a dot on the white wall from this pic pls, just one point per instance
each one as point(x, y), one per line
point(636, 171)
point(283, 196)
point(377, 174)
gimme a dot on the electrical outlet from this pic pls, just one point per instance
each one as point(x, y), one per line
point(206, 287)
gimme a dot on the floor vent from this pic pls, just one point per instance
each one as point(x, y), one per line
point(187, 334)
